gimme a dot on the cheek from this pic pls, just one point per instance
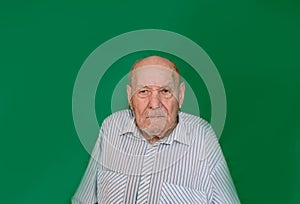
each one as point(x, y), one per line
point(139, 107)
point(172, 110)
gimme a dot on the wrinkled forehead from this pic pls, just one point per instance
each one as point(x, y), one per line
point(154, 75)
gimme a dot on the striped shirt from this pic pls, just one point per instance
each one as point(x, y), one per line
point(186, 167)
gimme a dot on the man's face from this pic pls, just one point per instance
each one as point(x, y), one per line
point(155, 96)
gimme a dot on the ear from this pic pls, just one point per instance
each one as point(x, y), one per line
point(128, 89)
point(181, 93)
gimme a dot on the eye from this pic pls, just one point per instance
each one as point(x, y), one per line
point(143, 92)
point(165, 92)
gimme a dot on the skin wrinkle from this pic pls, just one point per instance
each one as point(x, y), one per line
point(155, 75)
point(155, 115)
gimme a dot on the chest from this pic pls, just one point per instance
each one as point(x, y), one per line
point(154, 175)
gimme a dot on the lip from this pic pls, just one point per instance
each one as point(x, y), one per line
point(159, 116)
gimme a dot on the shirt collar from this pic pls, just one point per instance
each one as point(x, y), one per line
point(179, 134)
point(131, 127)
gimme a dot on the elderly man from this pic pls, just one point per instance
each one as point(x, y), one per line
point(153, 153)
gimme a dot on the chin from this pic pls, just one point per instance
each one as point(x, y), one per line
point(153, 132)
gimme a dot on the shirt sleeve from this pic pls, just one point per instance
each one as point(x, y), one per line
point(87, 190)
point(223, 187)
point(223, 190)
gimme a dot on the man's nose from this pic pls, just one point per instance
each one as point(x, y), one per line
point(154, 101)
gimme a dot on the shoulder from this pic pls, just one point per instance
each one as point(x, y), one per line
point(194, 123)
point(201, 133)
point(117, 120)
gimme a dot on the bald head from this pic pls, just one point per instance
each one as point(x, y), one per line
point(155, 60)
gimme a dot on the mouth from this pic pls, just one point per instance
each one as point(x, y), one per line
point(156, 116)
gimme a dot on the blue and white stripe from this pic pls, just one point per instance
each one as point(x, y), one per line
point(186, 167)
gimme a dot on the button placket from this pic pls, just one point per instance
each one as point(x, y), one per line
point(147, 168)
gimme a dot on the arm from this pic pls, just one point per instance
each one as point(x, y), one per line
point(223, 189)
point(87, 190)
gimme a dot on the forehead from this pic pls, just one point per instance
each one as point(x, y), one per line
point(153, 75)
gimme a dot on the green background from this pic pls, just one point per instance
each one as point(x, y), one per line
point(254, 44)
